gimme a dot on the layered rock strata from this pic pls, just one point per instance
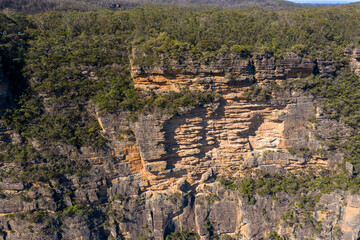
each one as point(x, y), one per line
point(234, 133)
point(158, 174)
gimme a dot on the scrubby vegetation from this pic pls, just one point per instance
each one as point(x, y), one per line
point(338, 98)
point(306, 187)
point(36, 6)
point(208, 34)
point(274, 236)
point(63, 68)
point(182, 236)
point(67, 67)
point(301, 182)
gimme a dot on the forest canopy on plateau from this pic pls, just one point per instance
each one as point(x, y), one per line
point(37, 6)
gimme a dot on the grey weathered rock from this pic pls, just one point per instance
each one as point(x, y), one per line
point(7, 184)
point(209, 174)
point(149, 137)
point(349, 167)
point(164, 180)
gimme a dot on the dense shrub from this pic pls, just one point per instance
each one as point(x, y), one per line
point(182, 236)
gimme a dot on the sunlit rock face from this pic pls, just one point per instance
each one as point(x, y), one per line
point(158, 174)
point(235, 133)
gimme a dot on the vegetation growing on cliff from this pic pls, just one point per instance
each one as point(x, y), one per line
point(66, 67)
point(337, 97)
point(61, 75)
point(300, 182)
point(182, 236)
point(77, 60)
point(339, 100)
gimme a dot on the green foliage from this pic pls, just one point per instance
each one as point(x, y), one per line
point(172, 102)
point(169, 103)
point(142, 237)
point(180, 235)
point(161, 34)
point(31, 216)
point(227, 237)
point(71, 65)
point(336, 232)
point(257, 93)
point(74, 210)
point(62, 64)
point(127, 134)
point(38, 165)
point(75, 127)
point(292, 183)
point(304, 186)
point(246, 188)
point(150, 52)
point(209, 228)
point(304, 152)
point(299, 49)
point(288, 216)
point(175, 34)
point(339, 95)
point(15, 153)
point(35, 6)
point(58, 170)
point(339, 99)
point(243, 51)
point(274, 236)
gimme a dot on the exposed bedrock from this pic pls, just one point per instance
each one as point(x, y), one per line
point(158, 174)
point(235, 133)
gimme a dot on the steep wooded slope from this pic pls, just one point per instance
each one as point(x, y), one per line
point(162, 123)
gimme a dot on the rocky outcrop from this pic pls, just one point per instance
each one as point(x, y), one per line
point(355, 61)
point(181, 155)
point(213, 210)
point(235, 133)
point(158, 174)
point(227, 69)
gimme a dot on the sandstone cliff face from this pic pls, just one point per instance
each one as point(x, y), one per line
point(158, 174)
point(178, 157)
point(235, 133)
point(223, 70)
